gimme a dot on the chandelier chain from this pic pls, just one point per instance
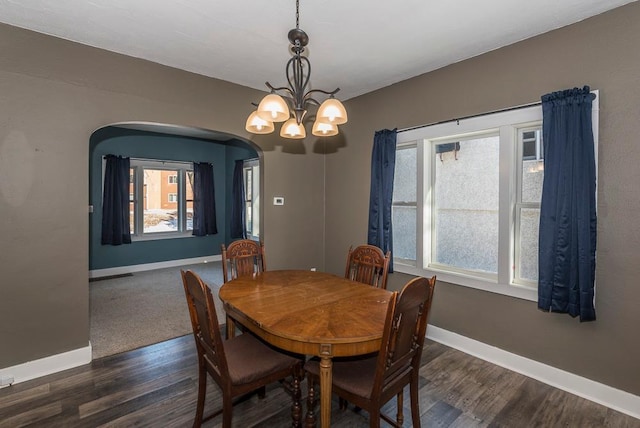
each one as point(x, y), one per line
point(297, 14)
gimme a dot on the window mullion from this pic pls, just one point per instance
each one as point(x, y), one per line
point(139, 197)
point(424, 231)
point(506, 198)
point(182, 203)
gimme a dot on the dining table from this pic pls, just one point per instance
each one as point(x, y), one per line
point(311, 313)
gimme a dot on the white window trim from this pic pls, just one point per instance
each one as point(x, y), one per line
point(507, 123)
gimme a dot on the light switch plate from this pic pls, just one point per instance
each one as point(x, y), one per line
point(278, 200)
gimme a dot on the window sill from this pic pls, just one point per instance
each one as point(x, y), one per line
point(160, 236)
point(511, 290)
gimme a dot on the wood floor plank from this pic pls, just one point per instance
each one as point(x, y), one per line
point(441, 414)
point(560, 409)
point(174, 411)
point(26, 396)
point(34, 415)
point(524, 401)
point(120, 396)
point(492, 396)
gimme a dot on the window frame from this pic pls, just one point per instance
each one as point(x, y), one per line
point(518, 204)
point(139, 166)
point(252, 203)
point(508, 124)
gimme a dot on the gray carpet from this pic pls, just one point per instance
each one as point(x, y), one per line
point(147, 307)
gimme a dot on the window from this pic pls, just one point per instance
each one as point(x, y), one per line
point(404, 207)
point(466, 201)
point(251, 169)
point(527, 205)
point(532, 144)
point(161, 199)
point(465, 204)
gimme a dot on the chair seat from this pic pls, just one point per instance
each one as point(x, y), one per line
point(250, 359)
point(355, 376)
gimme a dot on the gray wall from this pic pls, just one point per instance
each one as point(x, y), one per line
point(601, 52)
point(53, 95)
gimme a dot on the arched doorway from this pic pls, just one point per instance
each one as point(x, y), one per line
point(161, 158)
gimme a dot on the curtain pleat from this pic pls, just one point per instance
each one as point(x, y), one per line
point(383, 161)
point(115, 202)
point(567, 237)
point(204, 204)
point(238, 223)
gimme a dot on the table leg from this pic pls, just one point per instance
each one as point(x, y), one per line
point(231, 328)
point(325, 391)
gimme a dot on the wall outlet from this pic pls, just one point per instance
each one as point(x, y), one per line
point(278, 200)
point(313, 269)
point(6, 380)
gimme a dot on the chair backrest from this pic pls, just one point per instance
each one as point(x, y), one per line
point(242, 257)
point(204, 322)
point(404, 332)
point(368, 264)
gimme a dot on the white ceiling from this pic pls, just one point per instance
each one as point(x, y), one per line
point(357, 45)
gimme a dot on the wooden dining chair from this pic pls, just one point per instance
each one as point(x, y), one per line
point(242, 257)
point(368, 264)
point(239, 365)
point(370, 382)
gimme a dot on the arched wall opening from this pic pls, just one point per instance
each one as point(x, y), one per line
point(155, 141)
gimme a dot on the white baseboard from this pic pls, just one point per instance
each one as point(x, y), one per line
point(120, 270)
point(597, 392)
point(48, 365)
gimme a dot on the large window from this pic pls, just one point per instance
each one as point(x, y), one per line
point(466, 201)
point(161, 199)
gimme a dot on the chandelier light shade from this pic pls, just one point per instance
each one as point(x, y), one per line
point(324, 129)
point(273, 108)
point(257, 125)
point(292, 129)
point(291, 107)
point(332, 111)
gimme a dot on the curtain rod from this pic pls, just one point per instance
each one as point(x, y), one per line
point(162, 161)
point(472, 116)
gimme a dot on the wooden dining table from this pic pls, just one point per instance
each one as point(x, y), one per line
point(310, 313)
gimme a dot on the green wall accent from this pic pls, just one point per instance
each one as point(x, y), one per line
point(148, 145)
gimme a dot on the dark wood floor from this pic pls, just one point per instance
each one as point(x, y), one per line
point(156, 386)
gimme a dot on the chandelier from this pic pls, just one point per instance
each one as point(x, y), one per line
point(292, 107)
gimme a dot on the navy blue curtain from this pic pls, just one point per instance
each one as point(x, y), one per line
point(204, 200)
point(567, 236)
point(383, 162)
point(115, 202)
point(238, 224)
